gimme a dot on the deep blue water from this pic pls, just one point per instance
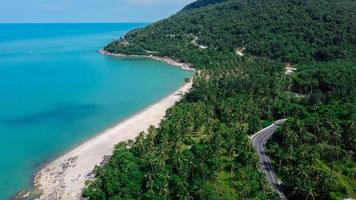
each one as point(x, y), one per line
point(56, 91)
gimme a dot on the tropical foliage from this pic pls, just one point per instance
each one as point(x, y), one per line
point(202, 150)
point(314, 151)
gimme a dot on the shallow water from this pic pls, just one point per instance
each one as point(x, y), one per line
point(56, 91)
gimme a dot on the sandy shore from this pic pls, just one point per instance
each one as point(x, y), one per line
point(64, 178)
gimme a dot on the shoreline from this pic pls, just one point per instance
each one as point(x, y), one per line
point(170, 61)
point(65, 176)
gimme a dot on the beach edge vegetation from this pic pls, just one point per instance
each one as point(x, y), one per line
point(242, 49)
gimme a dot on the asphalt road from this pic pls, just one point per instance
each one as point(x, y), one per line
point(259, 141)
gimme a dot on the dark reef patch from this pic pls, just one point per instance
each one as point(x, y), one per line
point(59, 112)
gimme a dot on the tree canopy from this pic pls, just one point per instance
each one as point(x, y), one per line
point(202, 150)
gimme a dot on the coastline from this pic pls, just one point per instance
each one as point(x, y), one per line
point(170, 61)
point(64, 178)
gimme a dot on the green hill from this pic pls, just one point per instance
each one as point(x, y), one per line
point(202, 150)
point(290, 30)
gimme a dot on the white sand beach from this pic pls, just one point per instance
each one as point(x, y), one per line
point(65, 177)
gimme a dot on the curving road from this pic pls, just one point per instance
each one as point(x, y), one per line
point(259, 141)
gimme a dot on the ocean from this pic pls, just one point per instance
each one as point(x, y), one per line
point(56, 91)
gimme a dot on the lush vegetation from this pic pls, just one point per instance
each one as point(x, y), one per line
point(290, 30)
point(202, 150)
point(314, 151)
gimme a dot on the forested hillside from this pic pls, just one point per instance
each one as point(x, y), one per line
point(202, 149)
point(314, 151)
point(289, 30)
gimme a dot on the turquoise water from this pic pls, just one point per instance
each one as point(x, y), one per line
point(56, 92)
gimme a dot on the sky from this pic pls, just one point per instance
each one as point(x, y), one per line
point(56, 11)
